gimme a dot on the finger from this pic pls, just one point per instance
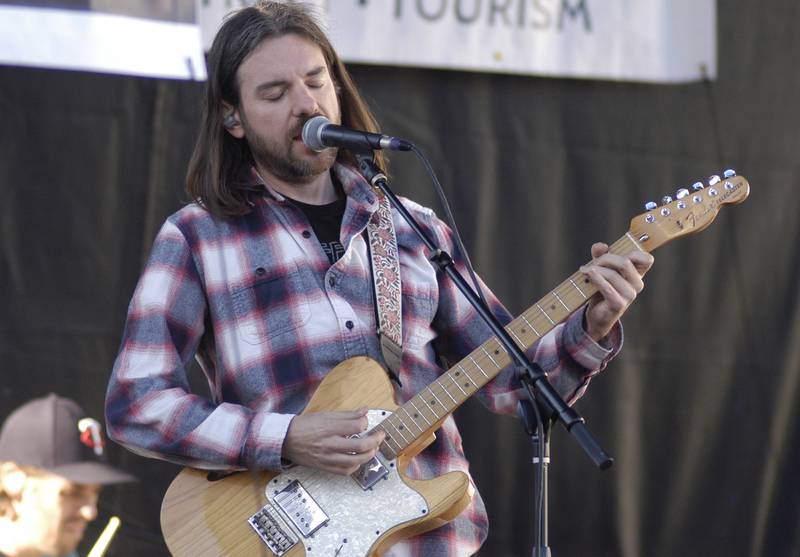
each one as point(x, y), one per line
point(358, 445)
point(614, 289)
point(340, 463)
point(642, 261)
point(347, 423)
point(623, 266)
point(348, 414)
point(598, 249)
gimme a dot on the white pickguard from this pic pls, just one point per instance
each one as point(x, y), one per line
point(360, 517)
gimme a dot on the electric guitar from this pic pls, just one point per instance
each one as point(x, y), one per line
point(305, 512)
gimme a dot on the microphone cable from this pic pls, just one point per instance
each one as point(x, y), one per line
point(540, 477)
point(450, 220)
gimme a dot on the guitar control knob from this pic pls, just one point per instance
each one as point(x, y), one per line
point(712, 180)
point(666, 200)
point(681, 193)
point(729, 173)
point(650, 205)
point(697, 186)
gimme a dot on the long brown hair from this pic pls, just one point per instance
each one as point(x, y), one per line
point(216, 170)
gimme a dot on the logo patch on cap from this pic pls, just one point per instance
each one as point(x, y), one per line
point(92, 435)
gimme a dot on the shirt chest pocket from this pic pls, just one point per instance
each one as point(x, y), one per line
point(273, 303)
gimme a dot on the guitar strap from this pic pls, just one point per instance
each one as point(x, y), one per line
point(385, 263)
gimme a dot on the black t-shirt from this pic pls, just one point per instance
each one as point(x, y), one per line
point(326, 220)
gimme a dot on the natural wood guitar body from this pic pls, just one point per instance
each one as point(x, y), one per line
point(210, 518)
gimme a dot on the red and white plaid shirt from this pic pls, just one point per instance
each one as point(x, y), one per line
point(257, 301)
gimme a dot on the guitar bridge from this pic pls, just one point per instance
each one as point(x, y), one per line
point(271, 528)
point(301, 509)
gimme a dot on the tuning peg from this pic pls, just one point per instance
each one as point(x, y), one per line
point(714, 180)
point(681, 193)
point(650, 205)
point(729, 173)
point(697, 186)
point(666, 200)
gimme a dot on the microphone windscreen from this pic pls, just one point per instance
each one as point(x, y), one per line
point(312, 132)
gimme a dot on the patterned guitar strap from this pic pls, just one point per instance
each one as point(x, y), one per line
point(386, 281)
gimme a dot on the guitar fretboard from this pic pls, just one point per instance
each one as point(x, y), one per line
point(424, 412)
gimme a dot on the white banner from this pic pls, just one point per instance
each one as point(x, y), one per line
point(648, 40)
point(132, 38)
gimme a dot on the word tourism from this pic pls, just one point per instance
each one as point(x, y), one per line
point(536, 14)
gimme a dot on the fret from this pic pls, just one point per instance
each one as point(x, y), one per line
point(490, 357)
point(469, 379)
point(471, 359)
point(447, 392)
point(389, 439)
point(453, 379)
point(519, 340)
point(411, 402)
point(389, 420)
point(578, 289)
point(560, 300)
point(403, 408)
point(545, 314)
point(437, 400)
point(529, 324)
point(479, 369)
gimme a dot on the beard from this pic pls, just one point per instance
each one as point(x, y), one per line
point(276, 156)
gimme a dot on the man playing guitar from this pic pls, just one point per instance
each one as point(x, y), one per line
point(266, 279)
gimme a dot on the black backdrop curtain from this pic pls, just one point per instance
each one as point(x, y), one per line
point(700, 410)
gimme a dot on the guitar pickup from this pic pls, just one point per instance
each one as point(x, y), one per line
point(370, 473)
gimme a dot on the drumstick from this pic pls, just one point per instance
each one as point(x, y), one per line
point(100, 546)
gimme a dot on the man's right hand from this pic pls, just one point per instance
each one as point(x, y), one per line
point(323, 441)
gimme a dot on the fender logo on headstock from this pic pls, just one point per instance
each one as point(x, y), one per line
point(691, 212)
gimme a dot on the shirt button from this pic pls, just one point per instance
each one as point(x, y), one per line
point(349, 325)
point(306, 234)
point(332, 281)
point(260, 271)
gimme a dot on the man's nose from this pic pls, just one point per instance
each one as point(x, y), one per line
point(88, 510)
point(304, 102)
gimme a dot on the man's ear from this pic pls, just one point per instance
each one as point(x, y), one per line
point(12, 483)
point(231, 121)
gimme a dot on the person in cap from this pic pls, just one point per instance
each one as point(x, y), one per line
point(51, 473)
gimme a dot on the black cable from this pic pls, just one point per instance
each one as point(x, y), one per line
point(468, 263)
point(450, 220)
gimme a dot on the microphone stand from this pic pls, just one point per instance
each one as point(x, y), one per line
point(538, 428)
point(533, 377)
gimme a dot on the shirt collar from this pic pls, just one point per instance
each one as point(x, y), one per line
point(355, 186)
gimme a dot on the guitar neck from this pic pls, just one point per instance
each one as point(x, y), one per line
point(420, 415)
point(689, 213)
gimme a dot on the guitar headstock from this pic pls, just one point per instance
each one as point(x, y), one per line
point(690, 212)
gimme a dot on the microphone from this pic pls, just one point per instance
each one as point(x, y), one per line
point(319, 133)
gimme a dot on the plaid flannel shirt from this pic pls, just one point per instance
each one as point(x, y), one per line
point(257, 302)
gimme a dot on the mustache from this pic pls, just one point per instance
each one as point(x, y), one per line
point(298, 129)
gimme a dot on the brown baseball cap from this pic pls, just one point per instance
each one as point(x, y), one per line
point(55, 434)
